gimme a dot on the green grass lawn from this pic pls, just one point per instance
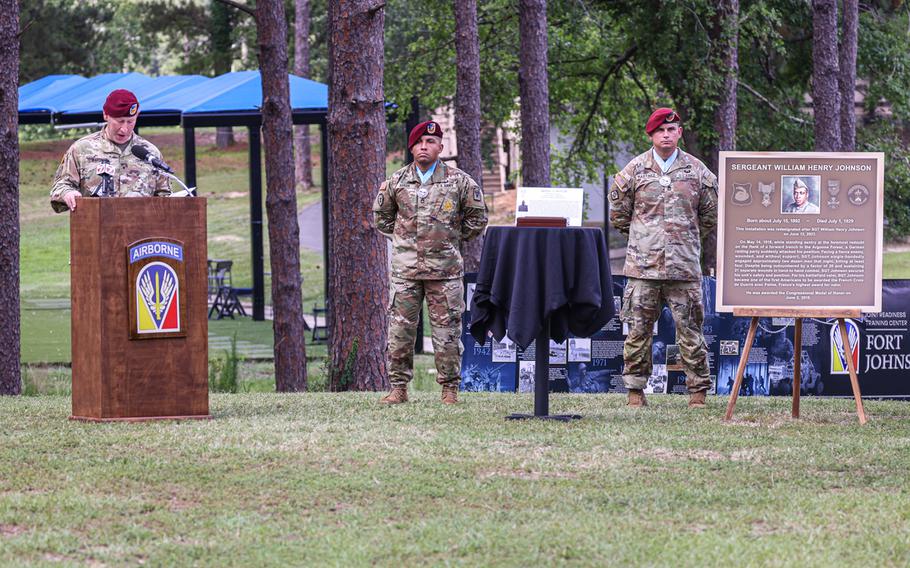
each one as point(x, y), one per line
point(335, 479)
point(896, 264)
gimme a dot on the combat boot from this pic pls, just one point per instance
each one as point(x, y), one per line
point(697, 399)
point(397, 395)
point(449, 394)
point(637, 398)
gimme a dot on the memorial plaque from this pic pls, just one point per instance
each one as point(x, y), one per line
point(800, 230)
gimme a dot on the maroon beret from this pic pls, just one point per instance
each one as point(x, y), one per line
point(660, 116)
point(121, 103)
point(429, 127)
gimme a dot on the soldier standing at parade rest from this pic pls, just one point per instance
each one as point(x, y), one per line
point(427, 209)
point(103, 163)
point(665, 201)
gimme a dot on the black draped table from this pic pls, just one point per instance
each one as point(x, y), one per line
point(542, 283)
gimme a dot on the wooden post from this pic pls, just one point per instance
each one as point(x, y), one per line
point(854, 381)
point(740, 371)
point(797, 364)
point(798, 314)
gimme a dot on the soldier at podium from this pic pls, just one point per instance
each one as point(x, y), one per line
point(102, 164)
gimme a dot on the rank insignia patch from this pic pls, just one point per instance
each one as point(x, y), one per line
point(156, 277)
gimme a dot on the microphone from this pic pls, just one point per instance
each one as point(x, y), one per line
point(143, 154)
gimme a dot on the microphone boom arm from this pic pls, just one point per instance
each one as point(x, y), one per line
point(187, 191)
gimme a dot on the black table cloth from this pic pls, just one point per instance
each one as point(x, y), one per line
point(528, 275)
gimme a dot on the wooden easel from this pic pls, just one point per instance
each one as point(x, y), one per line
point(799, 314)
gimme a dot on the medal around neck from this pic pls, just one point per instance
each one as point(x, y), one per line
point(664, 181)
point(422, 193)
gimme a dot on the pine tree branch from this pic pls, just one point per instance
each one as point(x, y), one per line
point(377, 6)
point(239, 6)
point(644, 91)
point(581, 138)
point(25, 29)
point(770, 104)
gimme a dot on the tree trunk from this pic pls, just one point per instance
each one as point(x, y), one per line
point(726, 31)
point(281, 199)
point(358, 271)
point(467, 108)
point(847, 76)
point(534, 93)
point(220, 28)
point(10, 377)
point(303, 168)
point(728, 44)
point(825, 90)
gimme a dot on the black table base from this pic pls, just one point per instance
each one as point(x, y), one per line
point(542, 381)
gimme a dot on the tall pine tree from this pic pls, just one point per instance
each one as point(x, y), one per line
point(358, 270)
point(281, 199)
point(10, 377)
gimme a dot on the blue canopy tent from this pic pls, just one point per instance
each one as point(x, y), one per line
point(48, 105)
point(232, 99)
point(58, 82)
point(88, 108)
point(235, 99)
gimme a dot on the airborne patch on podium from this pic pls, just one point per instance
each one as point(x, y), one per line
point(156, 292)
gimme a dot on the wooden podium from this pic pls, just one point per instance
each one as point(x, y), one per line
point(145, 256)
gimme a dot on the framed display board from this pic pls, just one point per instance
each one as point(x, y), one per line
point(800, 230)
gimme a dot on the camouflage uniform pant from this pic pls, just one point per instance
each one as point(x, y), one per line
point(641, 307)
point(445, 305)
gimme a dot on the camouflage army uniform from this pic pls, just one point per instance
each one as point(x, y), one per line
point(427, 232)
point(665, 226)
point(95, 154)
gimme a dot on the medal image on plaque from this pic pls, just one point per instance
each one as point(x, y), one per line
point(858, 195)
point(766, 189)
point(833, 190)
point(742, 194)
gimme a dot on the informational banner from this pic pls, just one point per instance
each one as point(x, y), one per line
point(800, 230)
point(879, 345)
point(567, 202)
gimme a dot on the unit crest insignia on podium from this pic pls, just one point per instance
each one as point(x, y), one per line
point(156, 292)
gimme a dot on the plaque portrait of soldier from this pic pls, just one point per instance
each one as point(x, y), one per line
point(800, 194)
